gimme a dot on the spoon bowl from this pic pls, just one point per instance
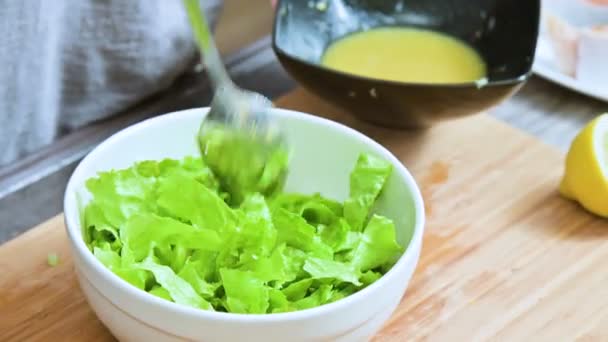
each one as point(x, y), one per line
point(237, 130)
point(232, 107)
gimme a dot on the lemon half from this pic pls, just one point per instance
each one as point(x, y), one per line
point(585, 178)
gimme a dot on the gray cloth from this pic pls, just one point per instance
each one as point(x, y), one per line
point(65, 63)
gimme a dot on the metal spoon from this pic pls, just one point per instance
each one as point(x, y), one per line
point(237, 139)
point(231, 106)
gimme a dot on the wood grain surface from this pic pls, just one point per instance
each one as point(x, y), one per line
point(504, 257)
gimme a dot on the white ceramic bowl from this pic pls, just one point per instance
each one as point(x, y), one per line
point(324, 152)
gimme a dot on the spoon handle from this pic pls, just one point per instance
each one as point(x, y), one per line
point(204, 38)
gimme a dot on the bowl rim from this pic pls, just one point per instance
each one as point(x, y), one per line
point(479, 84)
point(81, 251)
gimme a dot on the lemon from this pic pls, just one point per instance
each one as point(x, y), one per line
point(585, 178)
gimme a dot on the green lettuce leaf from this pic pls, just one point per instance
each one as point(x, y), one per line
point(252, 238)
point(122, 194)
point(370, 277)
point(378, 245)
point(205, 263)
point(366, 183)
point(329, 269)
point(257, 236)
point(128, 272)
point(338, 235)
point(161, 292)
point(108, 257)
point(316, 213)
point(322, 295)
point(99, 230)
point(244, 292)
point(314, 208)
point(279, 267)
point(190, 274)
point(278, 302)
point(296, 232)
point(194, 203)
point(297, 290)
point(140, 232)
point(179, 289)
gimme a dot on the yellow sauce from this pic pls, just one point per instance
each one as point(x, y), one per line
point(406, 55)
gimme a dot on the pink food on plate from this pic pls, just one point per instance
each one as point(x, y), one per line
point(578, 33)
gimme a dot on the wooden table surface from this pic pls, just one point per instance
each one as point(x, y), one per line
point(505, 258)
point(549, 112)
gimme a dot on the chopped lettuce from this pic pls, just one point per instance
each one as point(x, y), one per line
point(185, 234)
point(161, 292)
point(329, 269)
point(178, 289)
point(192, 202)
point(377, 246)
point(52, 259)
point(190, 274)
point(278, 301)
point(318, 297)
point(298, 289)
point(366, 183)
point(245, 293)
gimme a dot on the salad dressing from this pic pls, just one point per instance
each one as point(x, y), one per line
point(405, 55)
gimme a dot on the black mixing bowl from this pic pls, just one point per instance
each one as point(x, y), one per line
point(504, 32)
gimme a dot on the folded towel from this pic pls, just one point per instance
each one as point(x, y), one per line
point(67, 63)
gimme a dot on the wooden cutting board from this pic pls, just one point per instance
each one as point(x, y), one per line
point(504, 257)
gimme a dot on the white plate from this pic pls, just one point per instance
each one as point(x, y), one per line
point(545, 67)
point(579, 13)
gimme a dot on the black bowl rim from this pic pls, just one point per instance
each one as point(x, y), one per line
point(507, 82)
